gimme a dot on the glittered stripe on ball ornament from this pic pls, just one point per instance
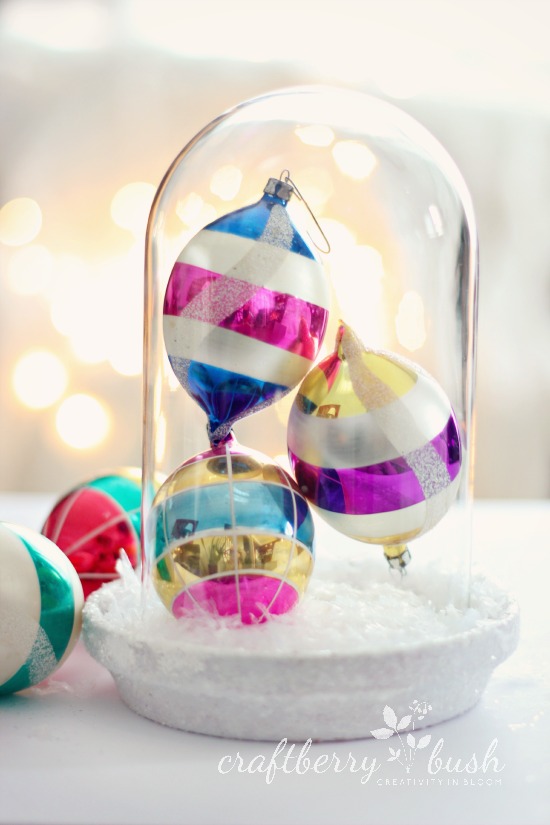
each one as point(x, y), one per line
point(245, 312)
point(232, 536)
point(41, 603)
point(264, 315)
point(374, 444)
point(388, 485)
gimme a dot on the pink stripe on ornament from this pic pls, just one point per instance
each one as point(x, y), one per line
point(263, 314)
point(256, 593)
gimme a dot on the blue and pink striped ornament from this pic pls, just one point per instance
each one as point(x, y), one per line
point(245, 311)
point(375, 445)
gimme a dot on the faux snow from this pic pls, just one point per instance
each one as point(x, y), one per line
point(362, 638)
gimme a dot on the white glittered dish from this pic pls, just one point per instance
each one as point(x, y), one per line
point(361, 639)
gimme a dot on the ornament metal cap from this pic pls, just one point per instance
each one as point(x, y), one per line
point(279, 188)
point(398, 556)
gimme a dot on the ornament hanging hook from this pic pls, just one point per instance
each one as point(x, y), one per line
point(285, 176)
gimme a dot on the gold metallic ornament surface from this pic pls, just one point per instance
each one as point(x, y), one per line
point(233, 535)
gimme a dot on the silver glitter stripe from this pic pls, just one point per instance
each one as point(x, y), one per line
point(278, 230)
point(430, 470)
point(223, 297)
point(213, 303)
point(369, 389)
point(222, 253)
point(357, 440)
point(425, 462)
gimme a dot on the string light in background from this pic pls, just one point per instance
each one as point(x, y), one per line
point(110, 332)
point(82, 421)
point(39, 379)
point(98, 330)
point(226, 182)
point(354, 159)
point(20, 221)
point(419, 52)
point(316, 134)
point(318, 184)
point(130, 206)
point(30, 270)
point(194, 212)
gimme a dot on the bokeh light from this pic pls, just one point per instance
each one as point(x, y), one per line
point(226, 182)
point(30, 270)
point(316, 134)
point(354, 159)
point(70, 294)
point(131, 204)
point(20, 221)
point(89, 135)
point(358, 271)
point(100, 309)
point(189, 208)
point(315, 185)
point(194, 212)
point(82, 421)
point(340, 236)
point(39, 379)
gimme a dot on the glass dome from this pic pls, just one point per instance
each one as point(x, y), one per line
point(310, 290)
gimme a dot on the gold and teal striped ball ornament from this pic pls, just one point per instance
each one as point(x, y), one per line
point(41, 602)
point(375, 446)
point(233, 536)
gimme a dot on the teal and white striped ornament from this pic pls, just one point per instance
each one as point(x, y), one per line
point(41, 603)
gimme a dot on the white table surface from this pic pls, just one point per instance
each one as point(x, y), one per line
point(72, 752)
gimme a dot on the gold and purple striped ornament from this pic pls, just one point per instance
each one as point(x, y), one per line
point(245, 310)
point(41, 604)
point(375, 446)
